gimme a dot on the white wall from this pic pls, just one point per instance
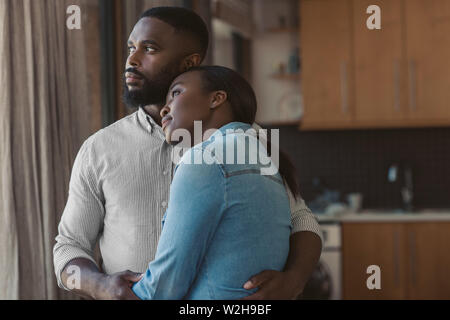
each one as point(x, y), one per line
point(222, 45)
point(268, 50)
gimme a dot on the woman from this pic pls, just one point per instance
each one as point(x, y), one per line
point(225, 220)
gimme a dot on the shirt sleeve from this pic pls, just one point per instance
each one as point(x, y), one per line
point(302, 219)
point(196, 206)
point(82, 219)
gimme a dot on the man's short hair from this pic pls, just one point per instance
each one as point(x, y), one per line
point(183, 20)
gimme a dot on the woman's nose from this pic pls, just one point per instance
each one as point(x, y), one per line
point(164, 111)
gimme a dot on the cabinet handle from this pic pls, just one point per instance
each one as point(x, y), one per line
point(344, 87)
point(412, 85)
point(396, 85)
point(396, 257)
point(412, 257)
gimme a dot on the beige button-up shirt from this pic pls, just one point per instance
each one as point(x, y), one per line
point(118, 193)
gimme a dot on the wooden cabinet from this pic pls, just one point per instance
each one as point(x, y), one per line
point(326, 54)
point(413, 259)
point(397, 76)
point(428, 60)
point(429, 260)
point(365, 244)
point(378, 64)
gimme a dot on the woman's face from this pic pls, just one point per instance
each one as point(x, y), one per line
point(186, 102)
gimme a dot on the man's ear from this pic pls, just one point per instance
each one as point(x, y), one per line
point(190, 61)
point(218, 98)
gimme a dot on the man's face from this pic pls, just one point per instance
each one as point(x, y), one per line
point(154, 60)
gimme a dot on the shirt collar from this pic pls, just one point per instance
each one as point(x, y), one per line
point(231, 126)
point(146, 119)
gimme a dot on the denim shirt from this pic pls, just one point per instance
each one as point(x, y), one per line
point(225, 222)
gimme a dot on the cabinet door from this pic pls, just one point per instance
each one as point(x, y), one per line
point(326, 63)
point(428, 54)
point(381, 244)
point(429, 260)
point(379, 65)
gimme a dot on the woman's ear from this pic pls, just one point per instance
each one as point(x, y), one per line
point(218, 98)
point(190, 61)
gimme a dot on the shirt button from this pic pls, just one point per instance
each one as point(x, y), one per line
point(164, 204)
point(165, 172)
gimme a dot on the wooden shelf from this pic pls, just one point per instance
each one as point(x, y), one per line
point(286, 76)
point(308, 125)
point(283, 30)
point(280, 123)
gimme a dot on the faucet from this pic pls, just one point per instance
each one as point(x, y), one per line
point(406, 189)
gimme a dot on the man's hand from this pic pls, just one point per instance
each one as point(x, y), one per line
point(97, 285)
point(273, 285)
point(117, 286)
point(304, 253)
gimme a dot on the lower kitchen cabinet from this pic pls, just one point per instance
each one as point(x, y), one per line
point(414, 259)
point(429, 260)
point(366, 244)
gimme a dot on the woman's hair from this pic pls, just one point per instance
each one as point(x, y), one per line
point(242, 99)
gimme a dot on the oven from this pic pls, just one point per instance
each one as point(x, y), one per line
point(326, 281)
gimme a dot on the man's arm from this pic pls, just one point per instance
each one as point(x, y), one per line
point(304, 254)
point(78, 231)
point(305, 250)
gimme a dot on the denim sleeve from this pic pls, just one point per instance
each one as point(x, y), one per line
point(196, 205)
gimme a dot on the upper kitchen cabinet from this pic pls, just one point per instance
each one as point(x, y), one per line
point(428, 61)
point(396, 76)
point(378, 65)
point(325, 35)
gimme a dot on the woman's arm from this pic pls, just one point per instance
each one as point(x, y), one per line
point(196, 205)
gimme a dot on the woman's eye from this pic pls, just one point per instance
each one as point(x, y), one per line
point(175, 93)
point(131, 49)
point(149, 49)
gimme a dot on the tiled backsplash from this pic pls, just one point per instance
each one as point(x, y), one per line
point(358, 161)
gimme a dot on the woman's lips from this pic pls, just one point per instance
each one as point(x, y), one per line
point(165, 122)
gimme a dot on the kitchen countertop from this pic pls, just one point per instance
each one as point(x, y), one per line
point(386, 216)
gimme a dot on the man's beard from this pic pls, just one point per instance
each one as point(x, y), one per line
point(151, 92)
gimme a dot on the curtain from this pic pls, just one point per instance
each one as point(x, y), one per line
point(46, 112)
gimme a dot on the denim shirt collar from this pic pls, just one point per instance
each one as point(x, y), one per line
point(231, 126)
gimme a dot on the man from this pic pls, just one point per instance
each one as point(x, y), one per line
point(121, 177)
